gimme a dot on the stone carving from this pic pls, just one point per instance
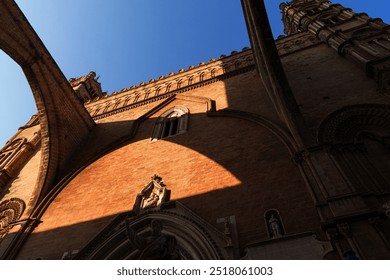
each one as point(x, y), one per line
point(274, 224)
point(10, 150)
point(153, 244)
point(14, 154)
point(10, 211)
point(297, 42)
point(343, 125)
point(152, 195)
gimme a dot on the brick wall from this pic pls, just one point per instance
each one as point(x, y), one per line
point(219, 167)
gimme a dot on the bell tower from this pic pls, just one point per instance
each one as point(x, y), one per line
point(355, 36)
point(87, 87)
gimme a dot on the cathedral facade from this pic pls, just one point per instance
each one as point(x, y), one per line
point(278, 151)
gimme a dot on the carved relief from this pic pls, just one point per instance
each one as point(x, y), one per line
point(297, 42)
point(153, 194)
point(10, 211)
point(172, 232)
point(14, 154)
point(153, 244)
point(345, 124)
point(228, 226)
point(10, 150)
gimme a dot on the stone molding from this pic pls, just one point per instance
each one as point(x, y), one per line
point(296, 42)
point(10, 212)
point(342, 126)
point(177, 220)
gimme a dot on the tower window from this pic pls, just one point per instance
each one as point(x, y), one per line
point(171, 122)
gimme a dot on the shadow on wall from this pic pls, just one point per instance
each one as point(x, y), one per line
point(219, 167)
point(53, 244)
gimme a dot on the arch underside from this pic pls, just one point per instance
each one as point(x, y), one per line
point(63, 120)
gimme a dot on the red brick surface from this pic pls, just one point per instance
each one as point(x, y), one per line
point(219, 167)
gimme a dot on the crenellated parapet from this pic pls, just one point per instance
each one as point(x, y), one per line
point(164, 86)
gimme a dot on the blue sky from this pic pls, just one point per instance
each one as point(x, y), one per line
point(131, 41)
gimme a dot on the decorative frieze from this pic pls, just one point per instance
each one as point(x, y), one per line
point(288, 45)
point(184, 80)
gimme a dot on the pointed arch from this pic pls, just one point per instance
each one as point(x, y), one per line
point(195, 239)
point(358, 137)
point(10, 211)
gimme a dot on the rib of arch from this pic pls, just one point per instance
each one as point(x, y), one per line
point(195, 238)
point(63, 119)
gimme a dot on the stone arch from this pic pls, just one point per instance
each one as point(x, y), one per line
point(345, 125)
point(63, 119)
point(10, 211)
point(195, 239)
point(358, 139)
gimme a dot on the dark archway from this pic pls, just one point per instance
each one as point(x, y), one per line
point(358, 137)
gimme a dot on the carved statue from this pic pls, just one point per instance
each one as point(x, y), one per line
point(275, 227)
point(153, 194)
point(151, 201)
point(155, 245)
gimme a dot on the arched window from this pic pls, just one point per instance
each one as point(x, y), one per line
point(274, 223)
point(171, 122)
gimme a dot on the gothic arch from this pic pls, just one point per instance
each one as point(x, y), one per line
point(345, 125)
point(195, 239)
point(358, 139)
point(63, 120)
point(10, 211)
